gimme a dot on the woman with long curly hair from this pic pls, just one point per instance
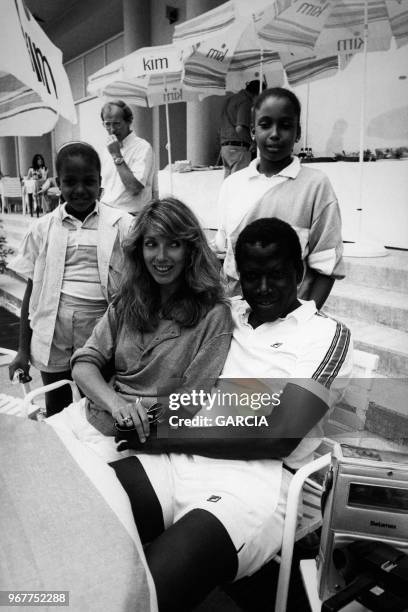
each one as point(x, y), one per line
point(168, 329)
point(149, 291)
point(37, 174)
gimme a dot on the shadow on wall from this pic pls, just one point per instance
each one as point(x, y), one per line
point(392, 124)
point(335, 142)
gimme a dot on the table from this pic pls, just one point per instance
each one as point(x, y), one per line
point(66, 522)
point(309, 577)
point(199, 189)
point(32, 186)
point(384, 196)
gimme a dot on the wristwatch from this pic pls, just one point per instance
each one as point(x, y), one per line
point(118, 160)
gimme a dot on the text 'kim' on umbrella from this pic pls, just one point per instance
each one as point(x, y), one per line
point(343, 27)
point(34, 87)
point(227, 52)
point(150, 76)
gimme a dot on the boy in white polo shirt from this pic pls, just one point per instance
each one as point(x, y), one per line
point(211, 499)
point(277, 185)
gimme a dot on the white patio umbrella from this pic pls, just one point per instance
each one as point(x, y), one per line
point(34, 87)
point(226, 52)
point(148, 77)
point(344, 27)
point(222, 52)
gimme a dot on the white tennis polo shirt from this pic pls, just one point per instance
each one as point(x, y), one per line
point(306, 345)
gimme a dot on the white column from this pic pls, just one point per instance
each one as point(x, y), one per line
point(203, 117)
point(8, 162)
point(137, 34)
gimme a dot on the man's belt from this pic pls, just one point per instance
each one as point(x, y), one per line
point(235, 143)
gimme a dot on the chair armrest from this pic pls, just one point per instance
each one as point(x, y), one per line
point(289, 530)
point(6, 356)
point(28, 400)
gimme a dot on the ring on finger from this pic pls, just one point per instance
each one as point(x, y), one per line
point(128, 419)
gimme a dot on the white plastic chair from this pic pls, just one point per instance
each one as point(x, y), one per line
point(24, 406)
point(293, 531)
point(10, 189)
point(28, 399)
point(356, 396)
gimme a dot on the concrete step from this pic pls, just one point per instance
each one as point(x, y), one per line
point(391, 345)
point(390, 272)
point(366, 439)
point(13, 240)
point(387, 413)
point(15, 227)
point(17, 220)
point(12, 291)
point(368, 304)
point(379, 406)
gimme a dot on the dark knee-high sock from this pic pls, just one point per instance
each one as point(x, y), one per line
point(190, 559)
point(146, 507)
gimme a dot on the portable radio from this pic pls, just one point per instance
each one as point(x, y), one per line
point(365, 498)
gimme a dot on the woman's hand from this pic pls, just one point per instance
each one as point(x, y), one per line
point(132, 415)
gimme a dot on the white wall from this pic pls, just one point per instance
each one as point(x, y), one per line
point(334, 105)
point(91, 128)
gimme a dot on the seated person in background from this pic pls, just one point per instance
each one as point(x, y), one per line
point(37, 172)
point(50, 193)
point(72, 260)
point(169, 326)
point(38, 169)
point(211, 500)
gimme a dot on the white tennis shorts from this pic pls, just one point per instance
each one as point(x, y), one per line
point(247, 497)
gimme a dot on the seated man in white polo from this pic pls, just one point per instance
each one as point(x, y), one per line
point(220, 491)
point(129, 176)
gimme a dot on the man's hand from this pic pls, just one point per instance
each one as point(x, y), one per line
point(113, 146)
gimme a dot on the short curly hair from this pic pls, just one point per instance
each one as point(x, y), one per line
point(77, 148)
point(126, 110)
point(272, 231)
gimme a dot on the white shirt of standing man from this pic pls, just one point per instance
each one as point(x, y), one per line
point(128, 167)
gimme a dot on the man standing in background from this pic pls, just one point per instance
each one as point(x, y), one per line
point(128, 167)
point(235, 130)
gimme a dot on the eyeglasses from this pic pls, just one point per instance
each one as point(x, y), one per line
point(112, 124)
point(155, 412)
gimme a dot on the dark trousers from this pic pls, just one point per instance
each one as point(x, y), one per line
point(57, 400)
point(31, 204)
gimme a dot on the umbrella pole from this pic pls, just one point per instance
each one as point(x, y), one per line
point(168, 136)
point(261, 73)
point(260, 56)
point(307, 112)
point(363, 247)
point(362, 121)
